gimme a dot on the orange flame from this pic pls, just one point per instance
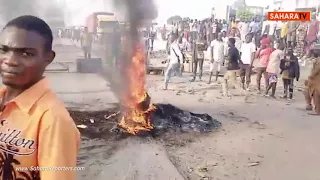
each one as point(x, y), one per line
point(136, 119)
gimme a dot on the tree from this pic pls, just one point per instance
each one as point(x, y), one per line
point(245, 14)
point(174, 19)
point(238, 4)
point(186, 19)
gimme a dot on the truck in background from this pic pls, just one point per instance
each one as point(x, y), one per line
point(101, 22)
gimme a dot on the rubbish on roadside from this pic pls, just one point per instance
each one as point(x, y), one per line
point(111, 115)
point(254, 164)
point(82, 126)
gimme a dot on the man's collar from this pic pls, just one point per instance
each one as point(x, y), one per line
point(30, 96)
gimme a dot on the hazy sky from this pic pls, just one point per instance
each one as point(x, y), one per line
point(166, 8)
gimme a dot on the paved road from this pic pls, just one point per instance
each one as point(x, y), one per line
point(85, 91)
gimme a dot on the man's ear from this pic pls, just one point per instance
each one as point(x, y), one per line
point(50, 57)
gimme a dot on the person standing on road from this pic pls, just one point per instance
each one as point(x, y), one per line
point(273, 69)
point(38, 128)
point(217, 56)
point(232, 68)
point(248, 50)
point(291, 37)
point(175, 57)
point(183, 45)
point(255, 29)
point(290, 70)
point(312, 34)
point(312, 89)
point(272, 30)
point(214, 26)
point(263, 56)
point(198, 56)
point(244, 30)
point(86, 43)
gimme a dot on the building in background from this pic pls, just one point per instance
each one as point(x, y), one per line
point(291, 5)
point(76, 13)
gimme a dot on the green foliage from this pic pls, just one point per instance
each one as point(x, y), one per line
point(244, 14)
point(174, 19)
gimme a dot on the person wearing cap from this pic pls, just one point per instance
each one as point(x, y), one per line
point(273, 69)
point(263, 56)
point(290, 70)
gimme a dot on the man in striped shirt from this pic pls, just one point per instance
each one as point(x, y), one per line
point(214, 28)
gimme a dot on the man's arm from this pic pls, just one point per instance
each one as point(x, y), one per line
point(315, 70)
point(211, 52)
point(59, 141)
point(178, 51)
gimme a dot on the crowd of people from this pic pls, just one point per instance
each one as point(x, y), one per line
point(268, 48)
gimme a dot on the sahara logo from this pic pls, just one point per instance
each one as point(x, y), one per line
point(289, 16)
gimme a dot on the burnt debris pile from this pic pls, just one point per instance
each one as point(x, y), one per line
point(165, 118)
point(168, 117)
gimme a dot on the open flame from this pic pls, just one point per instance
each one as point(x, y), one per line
point(135, 100)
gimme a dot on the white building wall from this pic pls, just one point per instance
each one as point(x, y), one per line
point(290, 5)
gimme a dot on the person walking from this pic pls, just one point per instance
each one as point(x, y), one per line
point(175, 57)
point(233, 57)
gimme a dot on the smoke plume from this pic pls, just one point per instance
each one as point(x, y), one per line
point(137, 13)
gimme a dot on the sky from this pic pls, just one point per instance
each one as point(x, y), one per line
point(79, 9)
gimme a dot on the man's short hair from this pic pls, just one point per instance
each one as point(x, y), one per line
point(35, 24)
point(232, 40)
point(249, 34)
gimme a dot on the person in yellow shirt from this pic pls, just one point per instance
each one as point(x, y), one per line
point(36, 129)
point(284, 33)
point(86, 43)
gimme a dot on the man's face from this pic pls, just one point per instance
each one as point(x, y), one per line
point(219, 37)
point(22, 57)
point(232, 32)
point(248, 38)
